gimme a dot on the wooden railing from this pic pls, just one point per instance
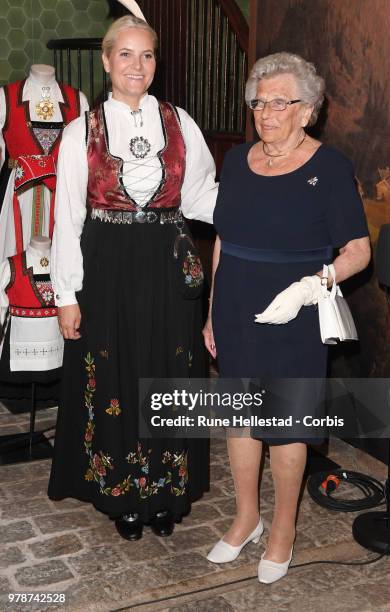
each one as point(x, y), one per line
point(216, 67)
point(237, 22)
point(77, 62)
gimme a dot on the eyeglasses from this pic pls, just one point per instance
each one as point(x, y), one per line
point(277, 104)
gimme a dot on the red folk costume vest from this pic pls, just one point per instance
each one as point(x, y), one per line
point(22, 144)
point(105, 189)
point(28, 298)
point(17, 133)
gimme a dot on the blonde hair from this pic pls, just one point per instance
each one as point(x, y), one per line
point(128, 21)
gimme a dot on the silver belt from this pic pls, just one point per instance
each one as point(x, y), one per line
point(129, 217)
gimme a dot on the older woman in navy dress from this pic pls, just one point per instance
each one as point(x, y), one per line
point(285, 203)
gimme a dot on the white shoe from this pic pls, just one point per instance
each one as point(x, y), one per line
point(224, 552)
point(270, 571)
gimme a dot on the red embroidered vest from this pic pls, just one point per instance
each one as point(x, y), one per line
point(17, 131)
point(28, 298)
point(105, 189)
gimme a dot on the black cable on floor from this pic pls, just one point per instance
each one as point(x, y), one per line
point(218, 586)
point(373, 493)
point(364, 562)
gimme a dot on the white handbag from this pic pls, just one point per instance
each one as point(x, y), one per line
point(336, 322)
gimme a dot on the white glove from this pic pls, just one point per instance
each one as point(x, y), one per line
point(288, 303)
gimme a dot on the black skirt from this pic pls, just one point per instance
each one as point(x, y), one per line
point(135, 324)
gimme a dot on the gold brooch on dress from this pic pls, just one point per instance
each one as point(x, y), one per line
point(45, 107)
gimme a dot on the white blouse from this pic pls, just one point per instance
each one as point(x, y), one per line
point(140, 178)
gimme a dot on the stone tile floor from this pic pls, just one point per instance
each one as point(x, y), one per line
point(67, 547)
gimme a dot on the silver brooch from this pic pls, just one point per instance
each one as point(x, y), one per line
point(313, 181)
point(139, 146)
point(19, 173)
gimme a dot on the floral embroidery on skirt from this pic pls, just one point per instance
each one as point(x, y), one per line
point(100, 463)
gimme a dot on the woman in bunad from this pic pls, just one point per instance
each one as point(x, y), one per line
point(124, 173)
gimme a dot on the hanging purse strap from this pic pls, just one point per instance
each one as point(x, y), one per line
point(335, 287)
point(335, 290)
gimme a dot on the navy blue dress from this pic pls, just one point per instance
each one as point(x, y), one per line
point(295, 220)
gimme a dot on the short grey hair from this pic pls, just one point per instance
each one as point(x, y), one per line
point(310, 85)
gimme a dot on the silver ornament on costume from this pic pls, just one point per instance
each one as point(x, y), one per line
point(139, 147)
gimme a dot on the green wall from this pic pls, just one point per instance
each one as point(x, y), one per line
point(244, 6)
point(27, 25)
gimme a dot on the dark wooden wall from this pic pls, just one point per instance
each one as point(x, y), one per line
point(349, 42)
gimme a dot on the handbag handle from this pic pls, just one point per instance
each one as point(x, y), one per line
point(332, 270)
point(335, 290)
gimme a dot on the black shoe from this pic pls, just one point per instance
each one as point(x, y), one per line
point(162, 524)
point(129, 526)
